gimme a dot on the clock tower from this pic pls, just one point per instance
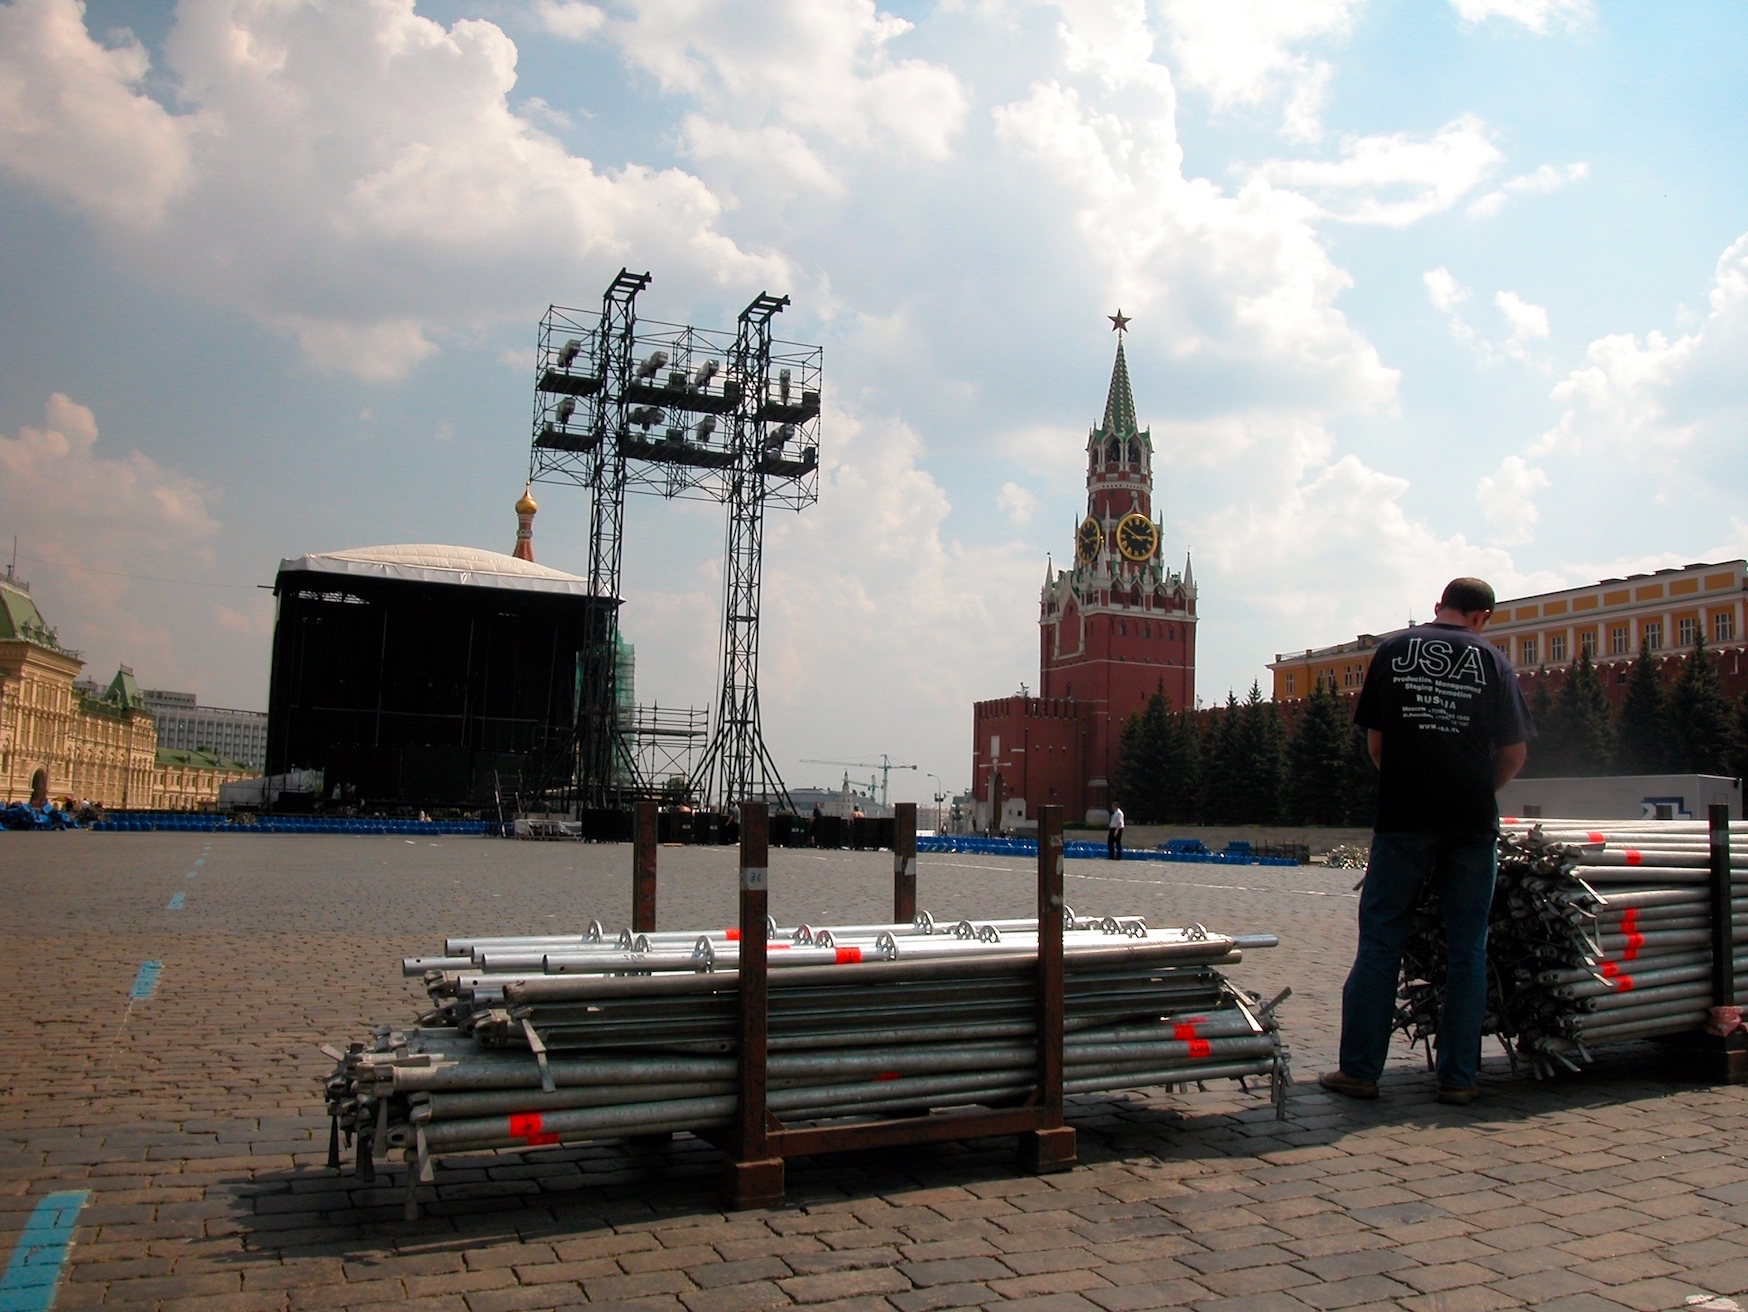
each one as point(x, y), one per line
point(1114, 628)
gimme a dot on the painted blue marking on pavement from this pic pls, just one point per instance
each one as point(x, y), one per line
point(177, 900)
point(199, 861)
point(34, 1273)
point(144, 983)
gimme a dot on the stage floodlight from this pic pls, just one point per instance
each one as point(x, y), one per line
point(706, 426)
point(702, 375)
point(647, 369)
point(568, 353)
point(783, 385)
point(566, 408)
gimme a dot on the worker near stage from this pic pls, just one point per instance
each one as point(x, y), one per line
point(1447, 727)
point(1114, 836)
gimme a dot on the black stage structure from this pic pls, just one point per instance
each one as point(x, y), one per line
point(675, 411)
point(422, 676)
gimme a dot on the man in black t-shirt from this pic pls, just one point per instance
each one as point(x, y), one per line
point(1447, 727)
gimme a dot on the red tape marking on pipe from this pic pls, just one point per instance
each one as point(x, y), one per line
point(1629, 919)
point(1199, 1048)
point(1597, 838)
point(1634, 857)
point(733, 935)
point(1185, 1029)
point(1610, 969)
point(847, 956)
point(526, 1125)
point(1634, 943)
point(887, 1075)
point(1623, 984)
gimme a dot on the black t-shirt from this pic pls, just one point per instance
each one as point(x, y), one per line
point(1444, 699)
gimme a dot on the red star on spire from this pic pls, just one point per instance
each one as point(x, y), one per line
point(1118, 320)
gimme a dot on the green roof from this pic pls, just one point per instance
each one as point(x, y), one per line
point(124, 690)
point(20, 620)
point(201, 760)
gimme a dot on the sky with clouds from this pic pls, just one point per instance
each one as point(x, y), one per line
point(1418, 289)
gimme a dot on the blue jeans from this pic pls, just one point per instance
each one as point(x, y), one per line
point(1464, 866)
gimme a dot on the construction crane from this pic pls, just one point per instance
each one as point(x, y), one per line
point(885, 764)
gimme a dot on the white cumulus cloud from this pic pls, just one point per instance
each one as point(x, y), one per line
point(1245, 52)
point(350, 173)
point(1443, 290)
point(1507, 498)
point(74, 124)
point(1018, 504)
point(570, 19)
point(1394, 180)
point(1537, 15)
point(86, 519)
point(1542, 182)
point(1641, 400)
point(1527, 322)
point(1242, 279)
point(787, 89)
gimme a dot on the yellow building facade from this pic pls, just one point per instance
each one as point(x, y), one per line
point(1668, 611)
point(100, 748)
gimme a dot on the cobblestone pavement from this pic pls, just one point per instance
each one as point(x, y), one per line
point(193, 1117)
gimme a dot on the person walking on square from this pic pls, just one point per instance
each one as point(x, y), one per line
point(1447, 726)
point(1114, 838)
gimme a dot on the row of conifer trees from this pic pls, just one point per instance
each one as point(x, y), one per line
point(1240, 765)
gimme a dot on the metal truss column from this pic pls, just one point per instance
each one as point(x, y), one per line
point(737, 766)
point(604, 761)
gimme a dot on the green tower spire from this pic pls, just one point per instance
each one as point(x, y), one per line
point(1120, 403)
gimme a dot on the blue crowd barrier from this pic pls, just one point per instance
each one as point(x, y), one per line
point(1081, 850)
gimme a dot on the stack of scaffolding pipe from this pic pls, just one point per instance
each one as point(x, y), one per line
point(608, 1040)
point(1600, 932)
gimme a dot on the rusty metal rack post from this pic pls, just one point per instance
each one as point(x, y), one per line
point(755, 1171)
point(1050, 1147)
point(1730, 1051)
point(904, 863)
point(643, 868)
point(760, 1142)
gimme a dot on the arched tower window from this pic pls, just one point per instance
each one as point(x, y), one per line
point(1114, 452)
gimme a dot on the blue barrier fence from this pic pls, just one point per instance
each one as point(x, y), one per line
point(197, 822)
point(1093, 851)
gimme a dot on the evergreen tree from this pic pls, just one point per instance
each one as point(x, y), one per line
point(1740, 768)
point(1138, 785)
point(1220, 773)
point(1259, 759)
point(1585, 737)
point(1181, 771)
point(1549, 756)
point(1361, 792)
point(1317, 762)
point(1700, 726)
point(1642, 733)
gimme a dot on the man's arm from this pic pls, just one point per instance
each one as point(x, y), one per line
point(1375, 746)
point(1507, 762)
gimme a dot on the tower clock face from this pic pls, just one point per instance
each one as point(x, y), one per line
point(1137, 539)
point(1089, 539)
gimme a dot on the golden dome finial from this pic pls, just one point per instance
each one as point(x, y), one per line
point(526, 505)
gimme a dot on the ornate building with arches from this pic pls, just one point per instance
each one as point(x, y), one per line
point(1113, 629)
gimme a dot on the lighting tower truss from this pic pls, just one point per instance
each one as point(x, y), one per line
point(675, 411)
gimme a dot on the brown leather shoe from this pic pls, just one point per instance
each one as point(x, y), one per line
point(1459, 1097)
point(1346, 1085)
